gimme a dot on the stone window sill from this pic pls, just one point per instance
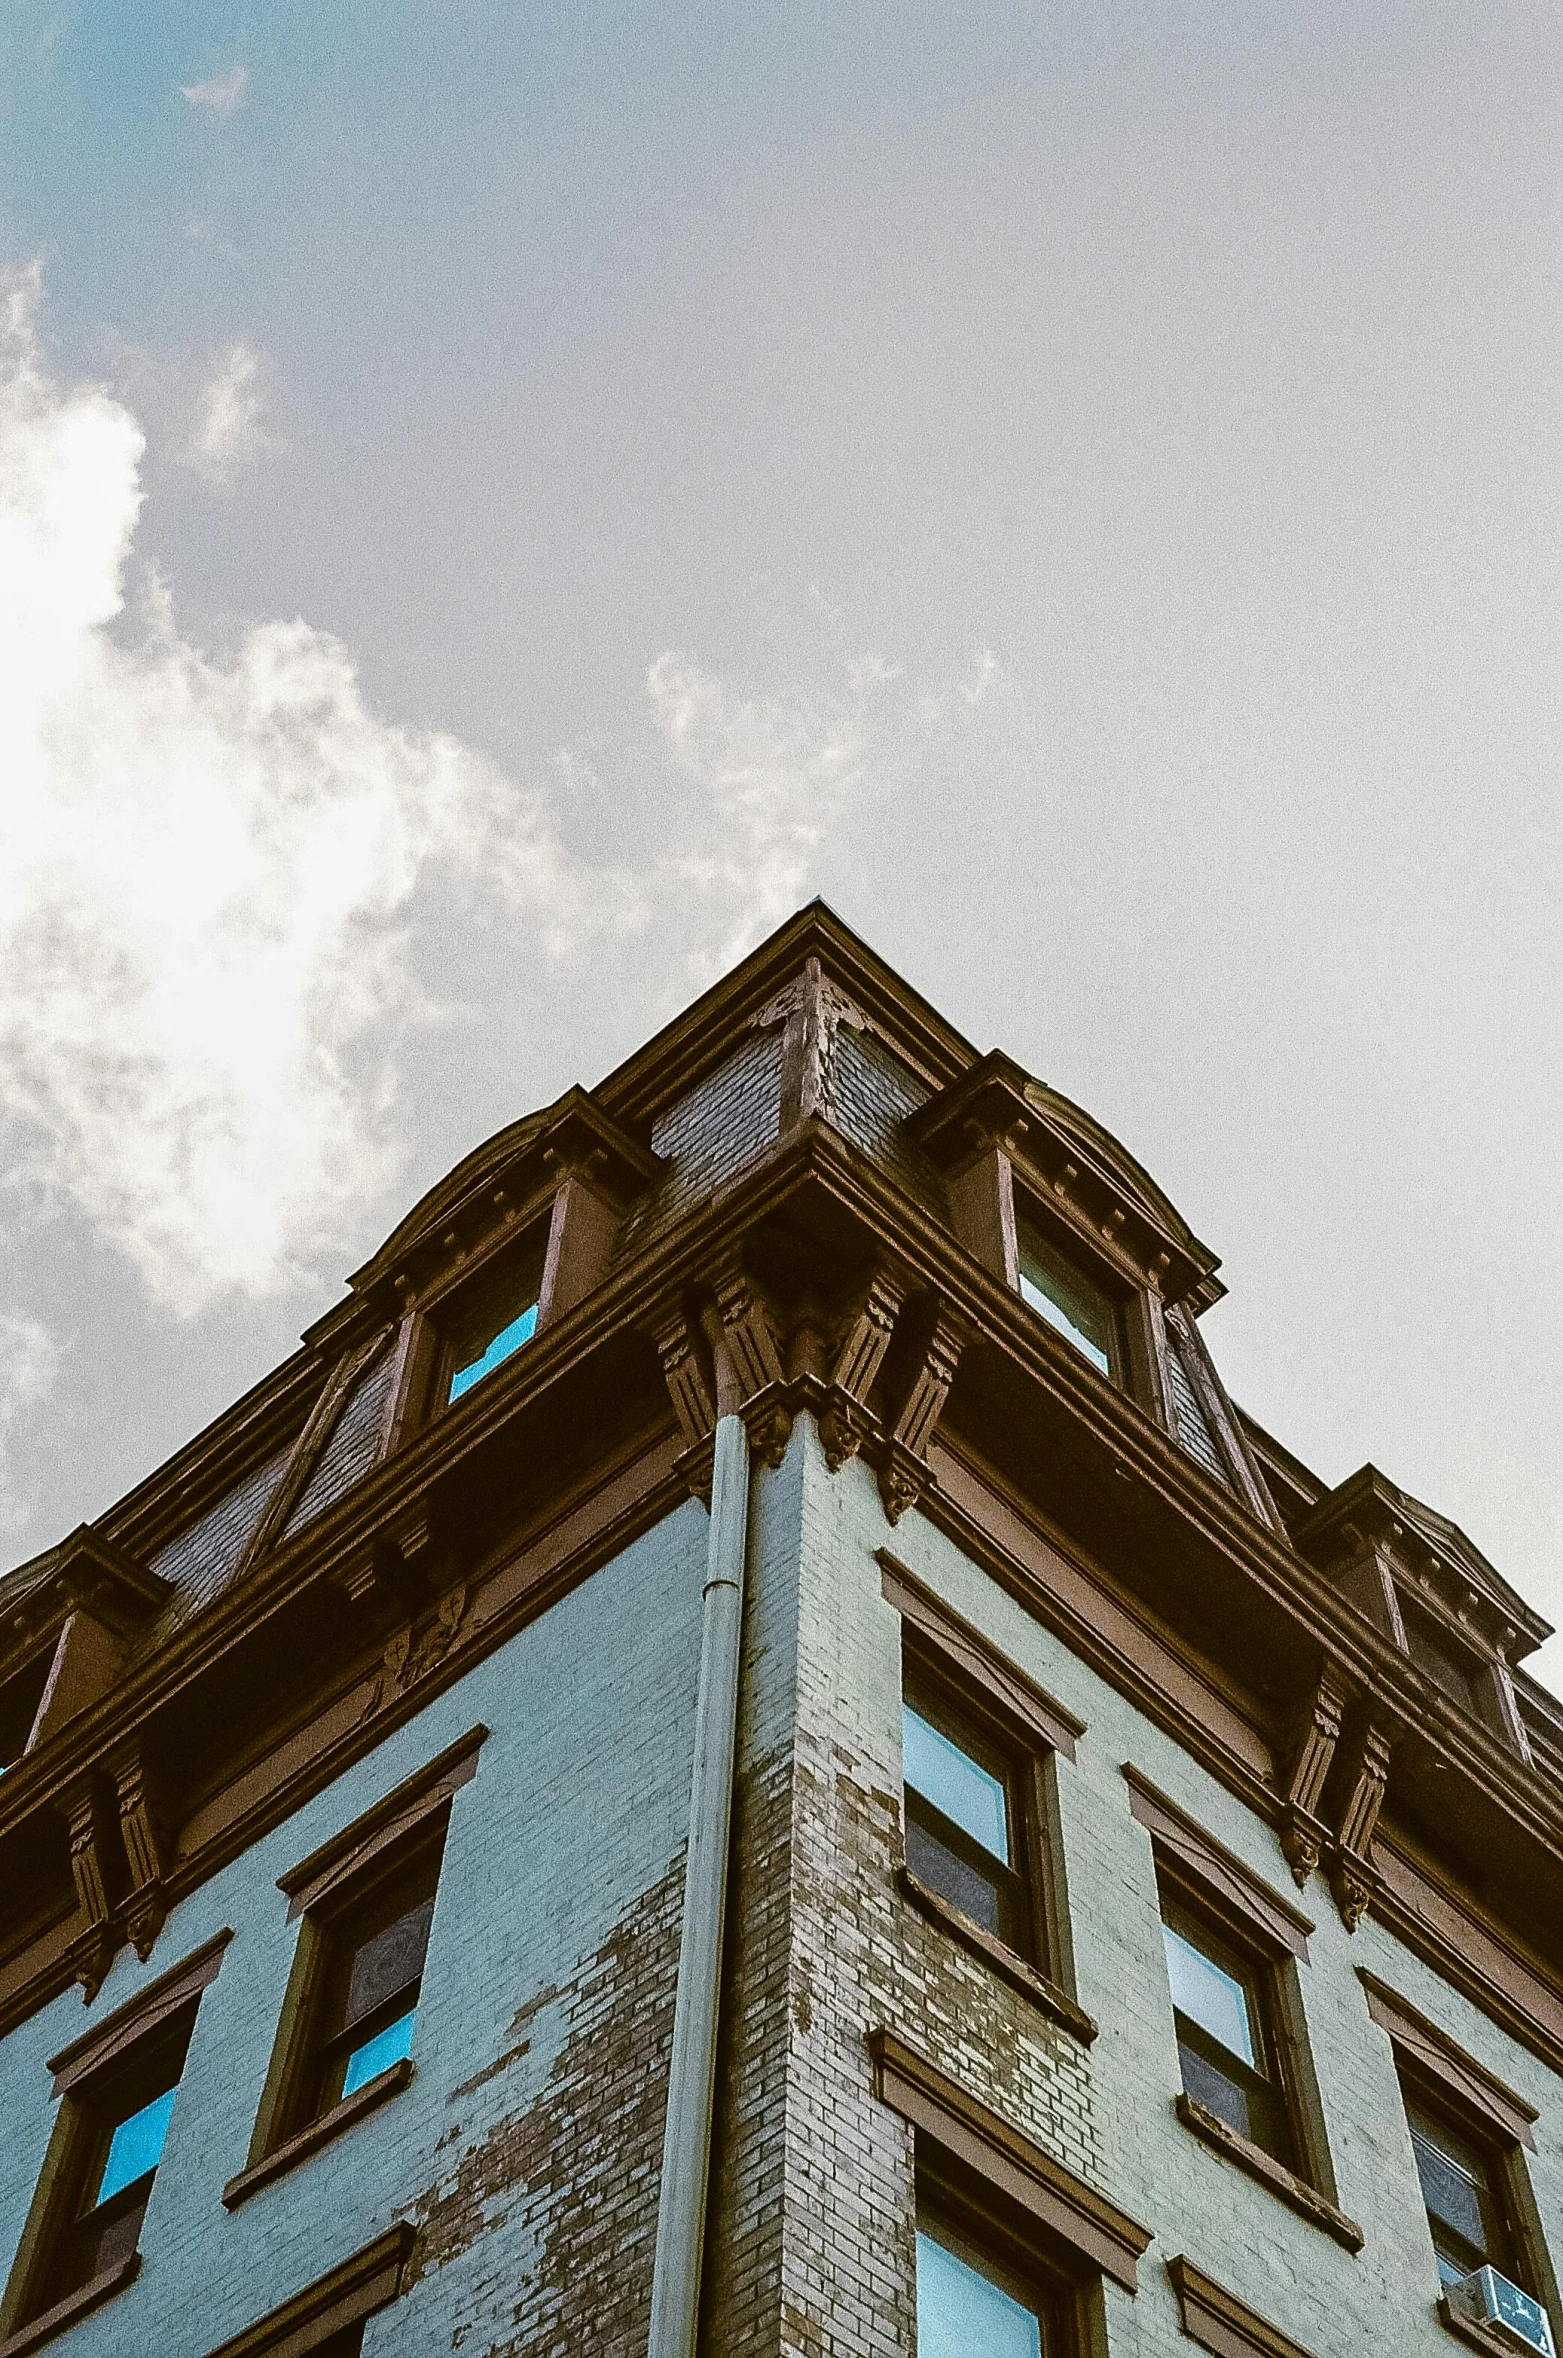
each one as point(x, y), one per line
point(997, 1954)
point(314, 2134)
point(1303, 2198)
point(39, 2330)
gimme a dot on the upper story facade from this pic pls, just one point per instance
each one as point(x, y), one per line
point(1144, 1923)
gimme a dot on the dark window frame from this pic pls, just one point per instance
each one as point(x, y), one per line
point(1427, 2086)
point(513, 1273)
point(955, 2209)
point(1061, 1245)
point(102, 2080)
point(1232, 1944)
point(1022, 1887)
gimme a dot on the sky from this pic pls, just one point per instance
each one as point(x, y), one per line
point(499, 503)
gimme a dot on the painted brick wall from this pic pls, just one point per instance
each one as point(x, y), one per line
point(528, 2144)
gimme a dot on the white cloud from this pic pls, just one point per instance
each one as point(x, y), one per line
point(206, 879)
point(29, 1362)
point(223, 93)
point(229, 429)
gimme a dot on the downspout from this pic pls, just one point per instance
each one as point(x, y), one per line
point(686, 2143)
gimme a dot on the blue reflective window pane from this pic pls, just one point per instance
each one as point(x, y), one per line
point(963, 2314)
point(955, 1783)
point(508, 1340)
point(136, 2146)
point(1213, 1999)
point(379, 2053)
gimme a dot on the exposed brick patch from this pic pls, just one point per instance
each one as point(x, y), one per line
point(576, 2174)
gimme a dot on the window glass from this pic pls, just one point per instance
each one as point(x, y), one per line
point(371, 1981)
point(1226, 2054)
point(963, 2313)
point(1463, 2210)
point(19, 1701)
point(937, 1768)
point(1426, 1646)
point(116, 2148)
point(1067, 1300)
point(962, 1838)
point(136, 2145)
point(495, 1351)
point(1214, 1999)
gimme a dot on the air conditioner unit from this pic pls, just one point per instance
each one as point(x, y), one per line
point(1509, 2315)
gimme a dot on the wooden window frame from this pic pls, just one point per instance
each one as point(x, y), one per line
point(321, 1890)
point(1441, 2077)
point(525, 1253)
point(355, 2289)
point(1063, 1240)
point(1027, 1729)
point(1215, 1883)
point(1010, 2196)
point(82, 2073)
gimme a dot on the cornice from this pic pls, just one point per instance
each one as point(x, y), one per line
point(1109, 1427)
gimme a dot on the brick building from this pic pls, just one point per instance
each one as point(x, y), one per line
point(745, 1746)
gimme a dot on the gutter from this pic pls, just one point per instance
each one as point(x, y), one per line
point(686, 2145)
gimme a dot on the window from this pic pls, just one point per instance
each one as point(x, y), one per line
point(966, 2307)
point(1067, 1299)
point(19, 1700)
point(367, 1975)
point(493, 1329)
point(1462, 2186)
point(113, 2128)
point(1433, 1654)
point(967, 1830)
point(1224, 2008)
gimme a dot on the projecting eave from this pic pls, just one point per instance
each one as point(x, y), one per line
point(1369, 1509)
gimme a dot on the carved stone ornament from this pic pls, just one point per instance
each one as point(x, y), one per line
point(813, 1008)
point(1303, 1833)
point(903, 1478)
point(1353, 1885)
point(143, 1831)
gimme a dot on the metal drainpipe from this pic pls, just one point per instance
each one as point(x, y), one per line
point(686, 2143)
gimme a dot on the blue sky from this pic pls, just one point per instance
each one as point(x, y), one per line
point(1078, 486)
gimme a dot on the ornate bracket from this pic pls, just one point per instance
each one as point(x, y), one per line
point(1303, 1832)
point(845, 1419)
point(1353, 1877)
point(813, 1008)
point(143, 1828)
point(93, 1950)
point(904, 1474)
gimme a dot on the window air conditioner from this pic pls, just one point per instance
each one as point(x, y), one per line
point(1488, 2299)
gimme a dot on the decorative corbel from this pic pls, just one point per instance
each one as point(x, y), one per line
point(1304, 1832)
point(1353, 1877)
point(93, 1950)
point(143, 1828)
point(755, 1357)
point(904, 1473)
point(845, 1418)
point(397, 1561)
point(685, 1376)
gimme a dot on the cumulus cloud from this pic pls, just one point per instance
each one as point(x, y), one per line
point(213, 872)
point(228, 430)
point(29, 1361)
point(206, 877)
point(222, 93)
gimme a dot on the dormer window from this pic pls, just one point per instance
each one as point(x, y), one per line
point(1439, 1659)
point(1063, 1295)
point(20, 1697)
point(493, 1325)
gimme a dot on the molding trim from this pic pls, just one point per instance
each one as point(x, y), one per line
point(407, 1805)
point(1199, 1854)
point(1306, 2200)
point(357, 2287)
point(1018, 1696)
point(1093, 2232)
point(77, 2304)
point(316, 2133)
point(1000, 1958)
point(1435, 2055)
point(1220, 2322)
point(139, 2015)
